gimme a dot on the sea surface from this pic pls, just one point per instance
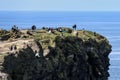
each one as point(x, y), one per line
point(105, 23)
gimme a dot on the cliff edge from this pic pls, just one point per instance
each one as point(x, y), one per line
point(67, 55)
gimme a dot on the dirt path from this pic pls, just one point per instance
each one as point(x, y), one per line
point(20, 43)
point(5, 45)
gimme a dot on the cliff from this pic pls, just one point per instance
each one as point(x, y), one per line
point(71, 55)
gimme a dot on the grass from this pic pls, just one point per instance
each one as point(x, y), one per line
point(47, 39)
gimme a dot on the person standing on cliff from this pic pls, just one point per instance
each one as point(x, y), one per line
point(94, 33)
point(33, 27)
point(11, 47)
point(74, 27)
point(15, 47)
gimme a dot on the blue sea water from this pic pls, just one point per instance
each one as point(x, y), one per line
point(105, 23)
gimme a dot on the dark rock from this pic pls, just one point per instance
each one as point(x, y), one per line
point(71, 59)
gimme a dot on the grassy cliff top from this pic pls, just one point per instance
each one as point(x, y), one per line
point(65, 54)
point(46, 37)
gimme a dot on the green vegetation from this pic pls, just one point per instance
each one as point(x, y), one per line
point(70, 59)
point(73, 55)
point(46, 38)
point(6, 35)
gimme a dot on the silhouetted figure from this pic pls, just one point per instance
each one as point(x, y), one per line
point(60, 29)
point(33, 27)
point(95, 34)
point(15, 47)
point(43, 28)
point(74, 27)
point(14, 28)
point(49, 30)
point(11, 47)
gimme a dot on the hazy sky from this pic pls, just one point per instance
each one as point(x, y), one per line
point(60, 5)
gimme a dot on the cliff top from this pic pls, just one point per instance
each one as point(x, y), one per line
point(21, 38)
point(62, 54)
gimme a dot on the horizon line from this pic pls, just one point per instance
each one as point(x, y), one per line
point(59, 11)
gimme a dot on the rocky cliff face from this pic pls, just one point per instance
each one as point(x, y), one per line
point(70, 59)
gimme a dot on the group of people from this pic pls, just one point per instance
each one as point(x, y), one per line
point(14, 28)
point(13, 47)
point(51, 30)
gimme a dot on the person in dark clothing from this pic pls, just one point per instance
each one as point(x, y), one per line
point(60, 29)
point(95, 34)
point(74, 27)
point(15, 47)
point(11, 47)
point(14, 28)
point(33, 27)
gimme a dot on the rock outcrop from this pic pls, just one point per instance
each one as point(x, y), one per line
point(72, 58)
point(6, 35)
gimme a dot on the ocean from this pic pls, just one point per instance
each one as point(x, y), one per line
point(104, 23)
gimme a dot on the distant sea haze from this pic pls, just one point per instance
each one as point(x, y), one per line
point(25, 19)
point(104, 23)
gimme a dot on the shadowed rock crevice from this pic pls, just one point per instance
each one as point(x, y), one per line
point(70, 59)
